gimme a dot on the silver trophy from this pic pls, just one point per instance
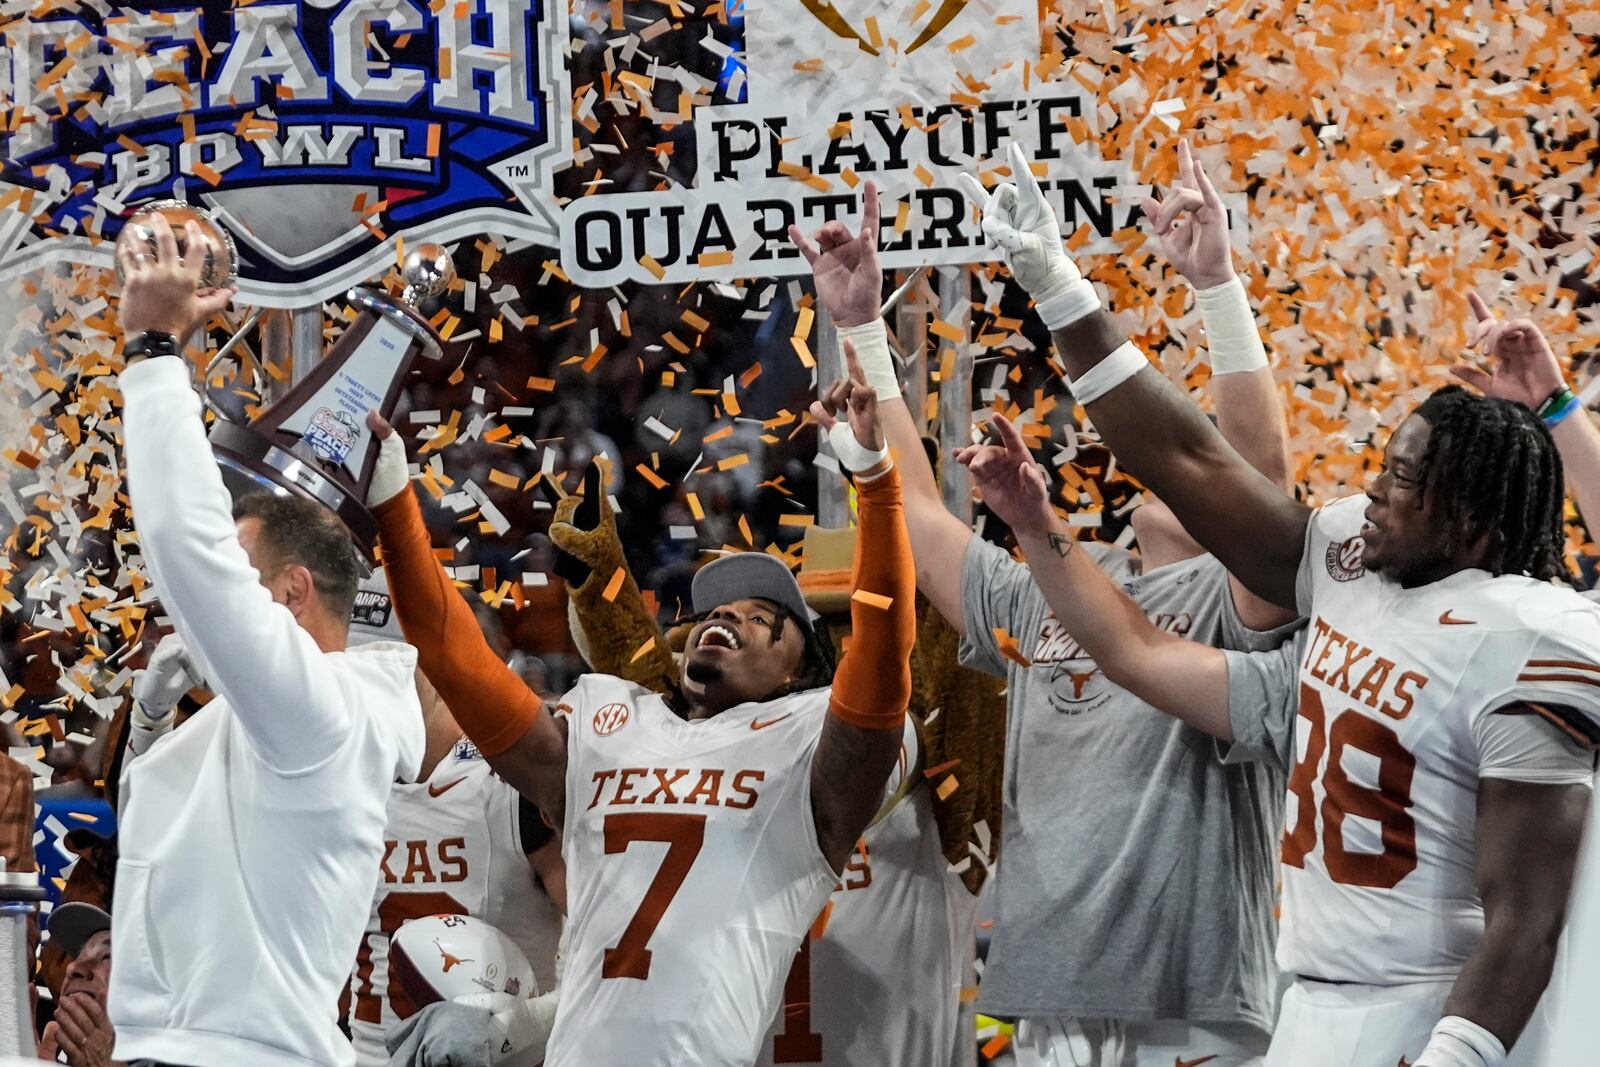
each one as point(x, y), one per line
point(314, 441)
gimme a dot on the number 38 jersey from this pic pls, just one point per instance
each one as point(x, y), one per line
point(1400, 700)
point(693, 872)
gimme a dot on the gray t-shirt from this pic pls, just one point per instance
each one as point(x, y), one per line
point(1263, 699)
point(1137, 871)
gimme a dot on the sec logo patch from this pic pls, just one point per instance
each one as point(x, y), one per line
point(1344, 559)
point(610, 719)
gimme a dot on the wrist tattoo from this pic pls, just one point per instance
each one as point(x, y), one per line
point(1061, 544)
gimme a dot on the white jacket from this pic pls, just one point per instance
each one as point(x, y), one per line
point(251, 837)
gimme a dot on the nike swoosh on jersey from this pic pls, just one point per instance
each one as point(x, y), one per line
point(1447, 619)
point(441, 790)
point(1179, 1061)
point(757, 724)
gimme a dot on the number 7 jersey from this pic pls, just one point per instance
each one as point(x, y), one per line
point(1400, 700)
point(693, 872)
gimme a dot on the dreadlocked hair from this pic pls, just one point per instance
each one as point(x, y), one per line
point(816, 658)
point(1492, 467)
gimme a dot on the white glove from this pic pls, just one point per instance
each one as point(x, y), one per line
point(157, 690)
point(523, 1028)
point(1018, 220)
point(170, 674)
point(389, 476)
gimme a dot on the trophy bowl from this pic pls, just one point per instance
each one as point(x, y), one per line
point(427, 271)
point(313, 441)
point(222, 258)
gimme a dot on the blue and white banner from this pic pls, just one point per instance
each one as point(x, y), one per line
point(318, 130)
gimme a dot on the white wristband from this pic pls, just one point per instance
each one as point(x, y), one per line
point(1067, 305)
point(852, 454)
point(145, 729)
point(872, 349)
point(1458, 1042)
point(1123, 363)
point(1231, 333)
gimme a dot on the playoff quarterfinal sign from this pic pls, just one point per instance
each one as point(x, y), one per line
point(315, 129)
point(910, 93)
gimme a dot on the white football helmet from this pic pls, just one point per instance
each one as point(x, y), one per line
point(462, 960)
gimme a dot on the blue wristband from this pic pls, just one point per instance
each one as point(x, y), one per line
point(1554, 418)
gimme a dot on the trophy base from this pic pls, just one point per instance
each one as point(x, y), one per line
point(270, 466)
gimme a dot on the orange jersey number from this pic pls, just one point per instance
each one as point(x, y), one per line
point(684, 835)
point(797, 1042)
point(1388, 805)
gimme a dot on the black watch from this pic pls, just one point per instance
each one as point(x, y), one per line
point(150, 343)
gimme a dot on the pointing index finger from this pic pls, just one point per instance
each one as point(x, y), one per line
point(1479, 307)
point(1022, 174)
point(1010, 436)
point(869, 211)
point(974, 189)
point(807, 249)
point(852, 363)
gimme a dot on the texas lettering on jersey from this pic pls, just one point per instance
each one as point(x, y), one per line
point(1360, 673)
point(626, 786)
point(692, 864)
point(424, 862)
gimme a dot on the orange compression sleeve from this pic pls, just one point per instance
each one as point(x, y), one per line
point(491, 703)
point(872, 686)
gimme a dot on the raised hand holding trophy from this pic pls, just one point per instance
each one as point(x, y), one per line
point(314, 440)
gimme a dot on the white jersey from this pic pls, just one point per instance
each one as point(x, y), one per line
point(453, 846)
point(1398, 720)
point(693, 872)
point(879, 979)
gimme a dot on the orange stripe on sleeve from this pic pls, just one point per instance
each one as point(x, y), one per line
point(491, 703)
point(872, 686)
point(1527, 707)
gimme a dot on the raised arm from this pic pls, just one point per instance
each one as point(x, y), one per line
point(1185, 679)
point(254, 652)
point(1157, 432)
point(506, 720)
point(1527, 371)
point(1192, 226)
point(862, 735)
point(850, 285)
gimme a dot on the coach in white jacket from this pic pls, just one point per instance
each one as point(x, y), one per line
point(251, 837)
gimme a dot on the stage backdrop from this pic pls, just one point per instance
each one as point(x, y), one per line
point(910, 93)
point(317, 130)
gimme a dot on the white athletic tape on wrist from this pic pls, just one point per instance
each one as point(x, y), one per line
point(852, 454)
point(872, 349)
point(1459, 1042)
point(389, 475)
point(1068, 304)
point(148, 718)
point(1231, 334)
point(1123, 363)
